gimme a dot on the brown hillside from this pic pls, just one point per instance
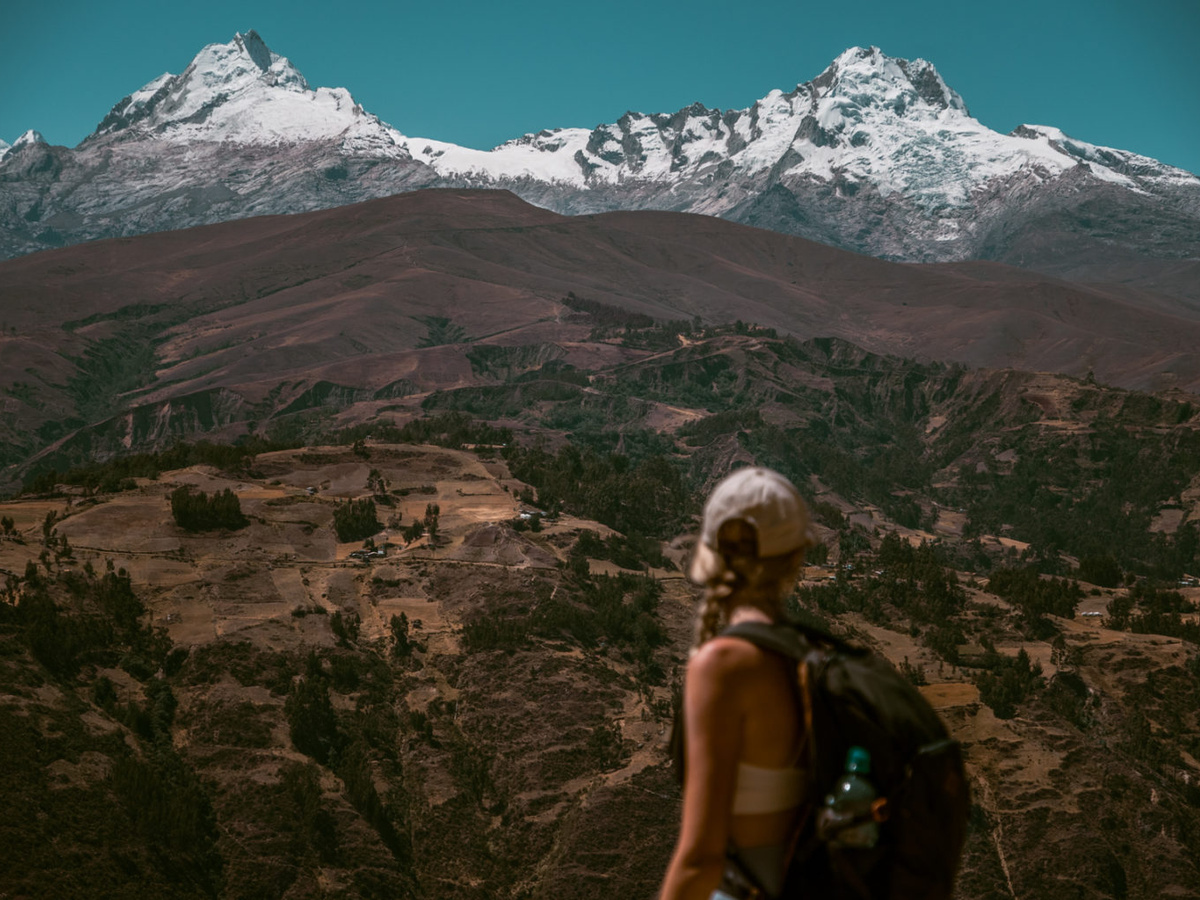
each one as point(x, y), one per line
point(385, 296)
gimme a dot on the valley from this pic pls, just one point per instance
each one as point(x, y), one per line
point(268, 711)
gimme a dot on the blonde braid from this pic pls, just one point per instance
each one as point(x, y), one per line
point(719, 588)
point(764, 582)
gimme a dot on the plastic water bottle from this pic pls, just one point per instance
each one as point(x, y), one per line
point(847, 821)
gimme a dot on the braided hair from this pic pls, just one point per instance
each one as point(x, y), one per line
point(734, 573)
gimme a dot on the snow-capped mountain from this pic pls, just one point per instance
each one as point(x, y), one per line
point(243, 93)
point(867, 120)
point(876, 154)
point(238, 133)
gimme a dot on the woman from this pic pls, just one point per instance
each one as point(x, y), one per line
point(743, 737)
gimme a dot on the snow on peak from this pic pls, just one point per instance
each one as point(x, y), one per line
point(254, 47)
point(243, 92)
point(868, 120)
point(29, 137)
point(243, 62)
point(866, 76)
point(1106, 163)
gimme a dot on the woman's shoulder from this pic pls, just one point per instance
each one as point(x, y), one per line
point(726, 656)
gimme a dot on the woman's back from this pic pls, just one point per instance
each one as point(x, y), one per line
point(768, 781)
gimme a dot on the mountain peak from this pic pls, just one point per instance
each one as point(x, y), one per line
point(216, 73)
point(241, 62)
point(29, 137)
point(869, 77)
point(242, 92)
point(254, 47)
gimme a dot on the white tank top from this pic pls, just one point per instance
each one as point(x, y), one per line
point(762, 790)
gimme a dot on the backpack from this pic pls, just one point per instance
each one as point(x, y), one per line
point(851, 697)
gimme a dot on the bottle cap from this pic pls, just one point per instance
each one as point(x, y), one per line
point(858, 760)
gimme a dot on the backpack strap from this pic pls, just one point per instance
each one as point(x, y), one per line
point(793, 639)
point(781, 639)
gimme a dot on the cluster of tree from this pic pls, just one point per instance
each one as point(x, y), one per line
point(429, 524)
point(944, 639)
point(1036, 597)
point(627, 551)
point(446, 429)
point(1101, 569)
point(648, 498)
point(171, 811)
point(355, 520)
point(883, 464)
point(312, 722)
point(345, 627)
point(117, 474)
point(413, 531)
point(912, 580)
point(317, 732)
point(604, 316)
point(712, 381)
point(432, 521)
point(103, 626)
point(54, 541)
point(730, 421)
point(596, 424)
point(198, 511)
point(377, 484)
point(150, 811)
point(1150, 609)
point(526, 522)
point(1008, 681)
point(917, 580)
point(1092, 496)
point(403, 643)
point(618, 612)
point(301, 783)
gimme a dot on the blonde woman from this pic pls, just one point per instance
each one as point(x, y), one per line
point(744, 786)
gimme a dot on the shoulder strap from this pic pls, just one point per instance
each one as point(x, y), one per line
point(791, 639)
point(781, 639)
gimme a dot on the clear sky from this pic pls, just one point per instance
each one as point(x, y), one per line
point(1118, 73)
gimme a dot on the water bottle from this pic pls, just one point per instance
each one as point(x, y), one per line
point(846, 821)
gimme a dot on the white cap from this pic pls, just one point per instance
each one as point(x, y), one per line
point(765, 499)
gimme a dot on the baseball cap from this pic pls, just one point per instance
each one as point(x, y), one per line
point(765, 499)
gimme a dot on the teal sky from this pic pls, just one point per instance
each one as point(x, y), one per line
point(1110, 72)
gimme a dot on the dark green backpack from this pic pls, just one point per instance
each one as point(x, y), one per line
point(851, 697)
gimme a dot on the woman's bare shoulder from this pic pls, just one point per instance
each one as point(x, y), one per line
point(724, 657)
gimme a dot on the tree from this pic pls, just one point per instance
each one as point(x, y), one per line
point(432, 511)
point(376, 483)
point(355, 521)
point(403, 647)
point(413, 531)
point(312, 721)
